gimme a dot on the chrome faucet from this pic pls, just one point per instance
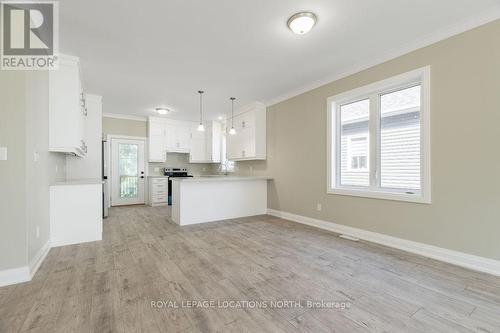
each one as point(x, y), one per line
point(223, 167)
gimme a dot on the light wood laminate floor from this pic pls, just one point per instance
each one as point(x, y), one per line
point(108, 286)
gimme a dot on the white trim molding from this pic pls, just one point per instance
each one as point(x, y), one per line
point(14, 275)
point(39, 257)
point(124, 116)
point(476, 263)
point(25, 273)
point(470, 23)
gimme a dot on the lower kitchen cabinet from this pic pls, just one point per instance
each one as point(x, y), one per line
point(158, 191)
point(75, 212)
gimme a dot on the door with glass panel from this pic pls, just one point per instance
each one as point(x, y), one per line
point(127, 172)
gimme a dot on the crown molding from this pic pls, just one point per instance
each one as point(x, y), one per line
point(124, 116)
point(485, 17)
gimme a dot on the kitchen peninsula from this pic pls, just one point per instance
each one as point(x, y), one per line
point(214, 198)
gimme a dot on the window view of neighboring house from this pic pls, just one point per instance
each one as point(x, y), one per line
point(399, 141)
point(354, 142)
point(379, 139)
point(357, 149)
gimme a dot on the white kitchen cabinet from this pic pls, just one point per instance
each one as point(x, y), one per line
point(157, 140)
point(178, 134)
point(166, 135)
point(249, 142)
point(90, 166)
point(158, 191)
point(75, 212)
point(206, 146)
point(67, 109)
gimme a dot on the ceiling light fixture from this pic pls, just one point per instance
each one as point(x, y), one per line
point(232, 131)
point(162, 111)
point(201, 128)
point(302, 23)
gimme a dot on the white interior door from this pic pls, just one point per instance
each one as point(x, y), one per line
point(127, 172)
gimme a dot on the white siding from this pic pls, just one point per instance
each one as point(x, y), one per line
point(400, 157)
point(348, 176)
point(400, 153)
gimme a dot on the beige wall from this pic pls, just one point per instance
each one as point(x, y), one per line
point(49, 168)
point(465, 138)
point(123, 127)
point(24, 183)
point(13, 243)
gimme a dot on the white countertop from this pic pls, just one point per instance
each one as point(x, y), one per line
point(157, 176)
point(78, 182)
point(218, 178)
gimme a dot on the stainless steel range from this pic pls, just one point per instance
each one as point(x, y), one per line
point(171, 173)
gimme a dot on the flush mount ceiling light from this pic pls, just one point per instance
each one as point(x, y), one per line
point(302, 23)
point(201, 128)
point(162, 111)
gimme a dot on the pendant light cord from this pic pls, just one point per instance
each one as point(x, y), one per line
point(201, 106)
point(232, 111)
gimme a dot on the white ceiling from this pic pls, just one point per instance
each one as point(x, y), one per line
point(143, 54)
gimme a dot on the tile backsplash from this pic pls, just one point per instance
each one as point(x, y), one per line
point(178, 160)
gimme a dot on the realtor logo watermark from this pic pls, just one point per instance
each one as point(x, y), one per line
point(29, 35)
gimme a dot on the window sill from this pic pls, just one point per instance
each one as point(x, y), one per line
point(422, 199)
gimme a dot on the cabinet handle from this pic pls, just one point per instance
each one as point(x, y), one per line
point(243, 153)
point(242, 124)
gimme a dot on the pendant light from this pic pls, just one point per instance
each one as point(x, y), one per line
point(232, 131)
point(201, 128)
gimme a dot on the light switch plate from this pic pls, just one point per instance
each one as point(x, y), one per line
point(36, 156)
point(3, 153)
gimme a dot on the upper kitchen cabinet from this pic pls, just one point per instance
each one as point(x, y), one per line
point(67, 108)
point(157, 140)
point(166, 135)
point(249, 142)
point(206, 145)
point(178, 136)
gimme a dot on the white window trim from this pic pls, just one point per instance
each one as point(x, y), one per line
point(422, 76)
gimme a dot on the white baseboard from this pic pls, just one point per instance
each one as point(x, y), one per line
point(39, 257)
point(14, 275)
point(25, 273)
point(466, 260)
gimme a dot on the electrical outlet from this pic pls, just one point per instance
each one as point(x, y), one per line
point(204, 169)
point(37, 232)
point(36, 156)
point(318, 207)
point(157, 169)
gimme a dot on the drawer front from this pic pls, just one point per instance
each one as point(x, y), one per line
point(159, 192)
point(159, 198)
point(159, 187)
point(159, 181)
